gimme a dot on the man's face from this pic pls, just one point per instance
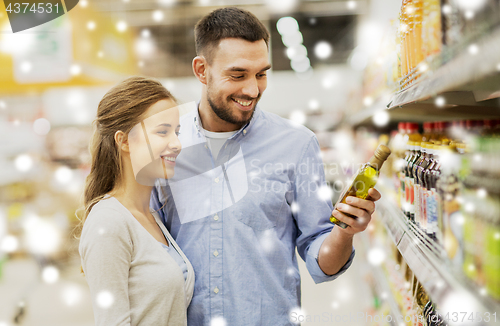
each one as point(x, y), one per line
point(236, 79)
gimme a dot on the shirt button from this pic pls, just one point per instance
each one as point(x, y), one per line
point(245, 132)
point(216, 253)
point(216, 180)
point(216, 290)
point(216, 217)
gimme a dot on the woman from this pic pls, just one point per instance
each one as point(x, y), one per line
point(136, 273)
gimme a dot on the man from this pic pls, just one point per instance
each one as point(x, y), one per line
point(248, 188)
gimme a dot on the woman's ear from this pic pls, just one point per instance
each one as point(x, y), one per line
point(121, 140)
point(200, 68)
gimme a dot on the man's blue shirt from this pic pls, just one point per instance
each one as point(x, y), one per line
point(240, 217)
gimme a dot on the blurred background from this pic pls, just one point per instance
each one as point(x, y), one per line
point(422, 76)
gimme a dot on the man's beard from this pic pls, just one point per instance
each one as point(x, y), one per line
point(224, 113)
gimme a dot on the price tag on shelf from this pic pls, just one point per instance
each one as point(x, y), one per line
point(424, 270)
point(413, 256)
point(395, 231)
point(391, 221)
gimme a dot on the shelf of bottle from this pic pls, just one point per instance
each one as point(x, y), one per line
point(473, 69)
point(447, 287)
point(469, 84)
point(422, 112)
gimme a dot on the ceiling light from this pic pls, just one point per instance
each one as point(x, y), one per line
point(121, 26)
point(287, 25)
point(323, 50)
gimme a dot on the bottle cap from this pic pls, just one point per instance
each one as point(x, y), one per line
point(412, 126)
point(402, 127)
point(428, 126)
point(469, 124)
point(381, 154)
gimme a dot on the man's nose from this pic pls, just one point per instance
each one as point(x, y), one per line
point(251, 88)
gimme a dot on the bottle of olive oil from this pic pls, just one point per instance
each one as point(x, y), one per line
point(364, 179)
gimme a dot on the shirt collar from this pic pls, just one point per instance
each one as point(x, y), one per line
point(243, 130)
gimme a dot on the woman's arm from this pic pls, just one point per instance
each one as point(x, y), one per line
point(106, 251)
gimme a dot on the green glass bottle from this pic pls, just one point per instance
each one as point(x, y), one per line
point(363, 180)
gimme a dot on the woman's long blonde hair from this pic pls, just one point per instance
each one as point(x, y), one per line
point(121, 108)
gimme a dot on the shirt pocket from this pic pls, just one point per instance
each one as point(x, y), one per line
point(261, 206)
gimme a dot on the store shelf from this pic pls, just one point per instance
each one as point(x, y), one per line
point(469, 83)
point(365, 116)
point(382, 285)
point(474, 68)
point(446, 286)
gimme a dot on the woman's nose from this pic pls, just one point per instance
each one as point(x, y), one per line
point(175, 144)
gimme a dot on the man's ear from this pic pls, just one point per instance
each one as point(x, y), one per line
point(121, 140)
point(200, 68)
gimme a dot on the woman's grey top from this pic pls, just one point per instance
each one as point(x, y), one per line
point(132, 279)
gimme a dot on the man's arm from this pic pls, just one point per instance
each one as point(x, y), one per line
point(312, 212)
point(336, 249)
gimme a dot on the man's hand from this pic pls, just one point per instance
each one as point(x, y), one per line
point(361, 208)
point(336, 249)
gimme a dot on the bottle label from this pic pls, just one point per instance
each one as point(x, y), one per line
point(439, 215)
point(425, 214)
point(403, 193)
point(431, 212)
point(416, 203)
point(410, 196)
point(409, 190)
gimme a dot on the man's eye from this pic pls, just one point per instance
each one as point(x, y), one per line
point(162, 132)
point(177, 133)
point(237, 77)
point(262, 75)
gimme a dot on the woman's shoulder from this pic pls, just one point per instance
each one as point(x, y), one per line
point(107, 209)
point(106, 226)
point(108, 214)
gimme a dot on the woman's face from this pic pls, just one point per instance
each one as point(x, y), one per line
point(153, 143)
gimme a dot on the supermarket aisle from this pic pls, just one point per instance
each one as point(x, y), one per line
point(67, 302)
point(434, 65)
point(345, 301)
point(62, 303)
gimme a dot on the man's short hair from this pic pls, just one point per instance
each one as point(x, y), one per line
point(224, 23)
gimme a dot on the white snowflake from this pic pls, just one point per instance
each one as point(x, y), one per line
point(72, 294)
point(325, 193)
point(218, 321)
point(267, 241)
point(376, 256)
point(105, 299)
